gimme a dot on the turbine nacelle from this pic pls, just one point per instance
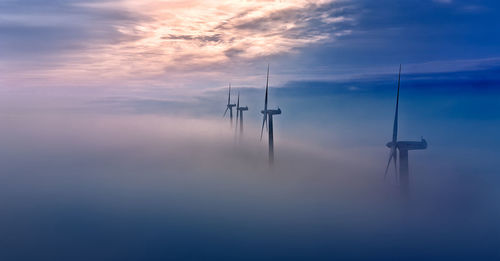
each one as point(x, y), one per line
point(271, 112)
point(409, 145)
point(231, 106)
point(242, 108)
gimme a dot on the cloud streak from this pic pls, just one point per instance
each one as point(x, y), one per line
point(130, 39)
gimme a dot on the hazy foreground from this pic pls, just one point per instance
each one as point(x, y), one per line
point(117, 187)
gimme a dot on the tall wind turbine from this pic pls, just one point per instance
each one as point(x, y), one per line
point(239, 112)
point(268, 118)
point(403, 147)
point(229, 106)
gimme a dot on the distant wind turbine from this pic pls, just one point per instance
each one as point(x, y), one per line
point(239, 115)
point(268, 118)
point(403, 147)
point(229, 106)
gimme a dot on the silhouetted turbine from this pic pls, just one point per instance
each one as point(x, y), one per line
point(268, 118)
point(239, 112)
point(229, 106)
point(403, 147)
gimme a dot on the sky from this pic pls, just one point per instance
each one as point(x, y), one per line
point(114, 146)
point(198, 45)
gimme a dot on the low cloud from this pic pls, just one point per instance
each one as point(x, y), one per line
point(156, 185)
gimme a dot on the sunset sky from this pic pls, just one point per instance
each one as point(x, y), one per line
point(206, 44)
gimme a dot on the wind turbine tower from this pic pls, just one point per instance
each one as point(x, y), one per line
point(403, 146)
point(239, 112)
point(229, 106)
point(268, 118)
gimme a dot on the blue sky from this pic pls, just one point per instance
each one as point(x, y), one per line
point(46, 40)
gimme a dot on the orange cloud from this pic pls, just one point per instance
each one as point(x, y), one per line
point(175, 35)
point(197, 33)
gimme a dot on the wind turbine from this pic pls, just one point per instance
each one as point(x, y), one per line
point(239, 112)
point(268, 118)
point(229, 106)
point(403, 147)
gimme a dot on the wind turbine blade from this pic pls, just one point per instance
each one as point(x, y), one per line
point(395, 127)
point(267, 89)
point(396, 177)
point(227, 108)
point(263, 122)
point(388, 164)
point(229, 95)
point(237, 110)
point(238, 103)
